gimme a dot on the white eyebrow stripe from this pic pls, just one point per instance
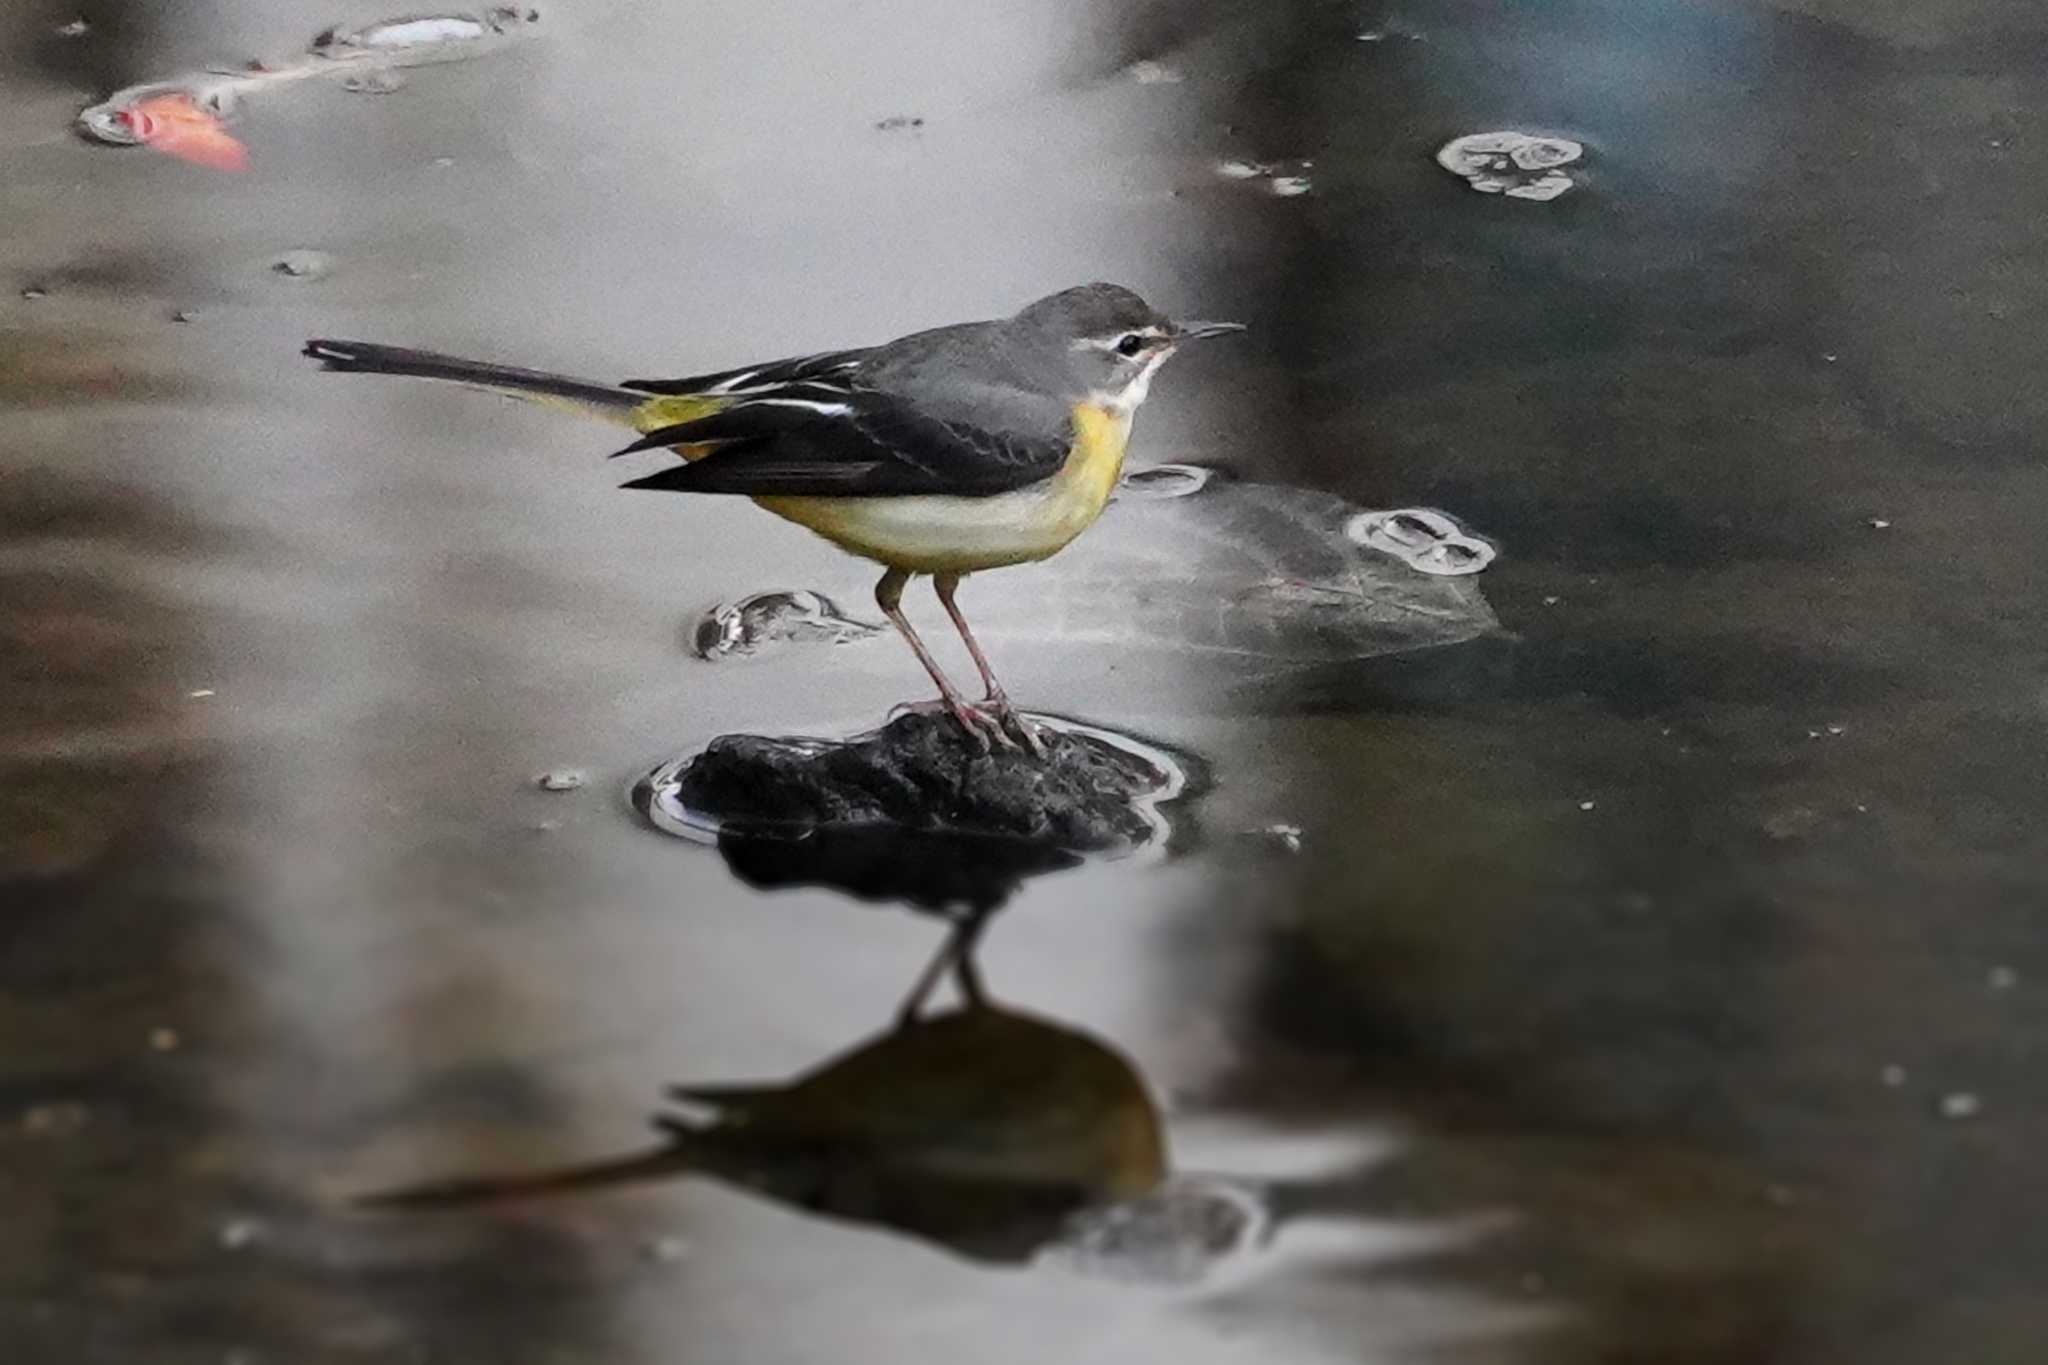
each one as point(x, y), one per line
point(1108, 343)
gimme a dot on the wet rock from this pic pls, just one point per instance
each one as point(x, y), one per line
point(923, 772)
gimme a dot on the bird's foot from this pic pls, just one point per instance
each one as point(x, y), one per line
point(983, 725)
point(1013, 722)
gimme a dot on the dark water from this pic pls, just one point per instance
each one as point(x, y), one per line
point(1657, 978)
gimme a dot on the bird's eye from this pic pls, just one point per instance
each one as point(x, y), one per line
point(1130, 344)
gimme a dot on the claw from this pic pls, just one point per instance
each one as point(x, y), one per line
point(985, 727)
point(1013, 722)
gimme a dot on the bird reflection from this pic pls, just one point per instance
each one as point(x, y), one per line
point(975, 1126)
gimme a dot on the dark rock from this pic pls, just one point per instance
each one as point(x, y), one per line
point(923, 772)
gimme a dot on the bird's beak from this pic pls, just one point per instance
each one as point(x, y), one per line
point(1194, 331)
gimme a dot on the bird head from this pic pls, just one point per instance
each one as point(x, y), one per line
point(1110, 341)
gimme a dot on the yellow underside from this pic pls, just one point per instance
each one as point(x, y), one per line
point(940, 534)
point(943, 534)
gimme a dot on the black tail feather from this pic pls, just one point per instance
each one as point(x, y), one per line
point(363, 357)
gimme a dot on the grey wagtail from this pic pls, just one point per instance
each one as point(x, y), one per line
point(944, 452)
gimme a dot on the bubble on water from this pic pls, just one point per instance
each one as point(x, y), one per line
point(1518, 165)
point(1284, 179)
point(1165, 481)
point(303, 265)
point(773, 618)
point(1176, 1235)
point(1426, 540)
point(561, 780)
point(1960, 1104)
point(77, 28)
point(380, 82)
point(423, 36)
point(1153, 73)
point(56, 1120)
point(664, 1250)
point(238, 1233)
point(1287, 838)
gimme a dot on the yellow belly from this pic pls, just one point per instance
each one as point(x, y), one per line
point(943, 534)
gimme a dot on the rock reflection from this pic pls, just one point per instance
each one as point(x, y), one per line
point(933, 871)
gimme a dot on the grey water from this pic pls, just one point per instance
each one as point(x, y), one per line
point(1628, 952)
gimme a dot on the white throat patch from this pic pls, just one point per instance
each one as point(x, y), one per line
point(1126, 400)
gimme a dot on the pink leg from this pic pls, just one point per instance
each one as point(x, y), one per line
point(946, 584)
point(889, 597)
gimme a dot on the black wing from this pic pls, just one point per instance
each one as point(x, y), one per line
point(821, 440)
point(825, 365)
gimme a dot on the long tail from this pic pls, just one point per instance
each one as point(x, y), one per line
point(469, 1190)
point(607, 401)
